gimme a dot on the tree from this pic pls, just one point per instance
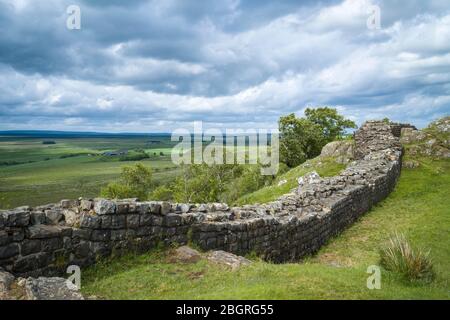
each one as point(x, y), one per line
point(332, 123)
point(203, 183)
point(300, 140)
point(304, 138)
point(135, 181)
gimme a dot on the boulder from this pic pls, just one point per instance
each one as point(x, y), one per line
point(343, 151)
point(6, 279)
point(51, 289)
point(228, 259)
point(185, 254)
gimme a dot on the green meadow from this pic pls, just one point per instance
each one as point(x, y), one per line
point(33, 173)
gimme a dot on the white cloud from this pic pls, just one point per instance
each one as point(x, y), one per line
point(323, 55)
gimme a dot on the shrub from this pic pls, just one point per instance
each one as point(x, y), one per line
point(399, 256)
point(162, 193)
point(135, 182)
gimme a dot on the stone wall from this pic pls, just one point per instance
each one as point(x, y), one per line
point(45, 240)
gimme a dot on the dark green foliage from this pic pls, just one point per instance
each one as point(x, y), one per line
point(303, 138)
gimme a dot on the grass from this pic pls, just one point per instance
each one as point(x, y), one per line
point(419, 208)
point(49, 173)
point(399, 256)
point(325, 167)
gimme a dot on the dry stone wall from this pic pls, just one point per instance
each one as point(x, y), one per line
point(44, 240)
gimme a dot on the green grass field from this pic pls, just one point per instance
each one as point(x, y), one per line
point(419, 207)
point(70, 168)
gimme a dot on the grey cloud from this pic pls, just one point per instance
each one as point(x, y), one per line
point(235, 62)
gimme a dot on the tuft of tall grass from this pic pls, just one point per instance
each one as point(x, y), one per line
point(398, 255)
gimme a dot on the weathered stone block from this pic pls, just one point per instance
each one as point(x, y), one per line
point(65, 204)
point(90, 221)
point(122, 208)
point(144, 231)
point(82, 249)
point(103, 206)
point(155, 207)
point(101, 235)
point(86, 205)
point(19, 217)
point(106, 222)
point(32, 262)
point(133, 221)
point(6, 280)
point(38, 217)
point(51, 289)
point(118, 235)
point(165, 207)
point(81, 234)
point(30, 246)
point(4, 239)
point(171, 220)
point(52, 244)
point(143, 207)
point(118, 222)
point(54, 216)
point(157, 221)
point(145, 220)
point(9, 250)
point(41, 231)
point(101, 249)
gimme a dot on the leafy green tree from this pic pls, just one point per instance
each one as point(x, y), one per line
point(300, 140)
point(135, 181)
point(304, 138)
point(202, 183)
point(332, 123)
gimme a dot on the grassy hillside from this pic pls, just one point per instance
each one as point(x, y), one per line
point(418, 207)
point(325, 167)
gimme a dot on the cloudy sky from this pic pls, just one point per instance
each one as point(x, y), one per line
point(158, 65)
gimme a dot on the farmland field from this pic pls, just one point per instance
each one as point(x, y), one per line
point(34, 173)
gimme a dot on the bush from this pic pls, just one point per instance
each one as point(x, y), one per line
point(161, 193)
point(116, 190)
point(399, 256)
point(135, 182)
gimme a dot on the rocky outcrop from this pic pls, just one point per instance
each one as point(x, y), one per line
point(46, 239)
point(433, 141)
point(342, 151)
